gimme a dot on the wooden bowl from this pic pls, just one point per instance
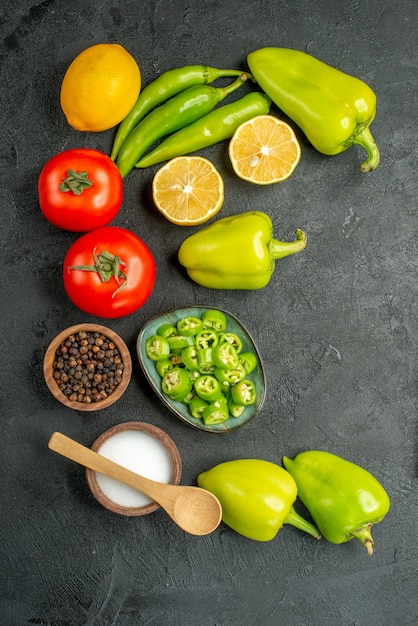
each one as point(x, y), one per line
point(50, 357)
point(142, 448)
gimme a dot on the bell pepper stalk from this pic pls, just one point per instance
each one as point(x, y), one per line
point(343, 499)
point(236, 252)
point(332, 108)
point(257, 498)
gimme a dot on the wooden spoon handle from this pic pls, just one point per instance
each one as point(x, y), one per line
point(88, 458)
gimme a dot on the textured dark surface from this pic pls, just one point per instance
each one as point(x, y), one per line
point(336, 327)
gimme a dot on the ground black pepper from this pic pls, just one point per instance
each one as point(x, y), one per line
point(87, 367)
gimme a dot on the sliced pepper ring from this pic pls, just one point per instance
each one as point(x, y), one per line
point(208, 388)
point(157, 348)
point(225, 356)
point(177, 383)
point(243, 393)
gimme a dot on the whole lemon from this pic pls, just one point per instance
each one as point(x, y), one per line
point(100, 87)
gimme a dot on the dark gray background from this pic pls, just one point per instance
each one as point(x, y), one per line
point(336, 328)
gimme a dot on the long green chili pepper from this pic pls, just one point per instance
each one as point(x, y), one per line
point(166, 86)
point(181, 110)
point(209, 130)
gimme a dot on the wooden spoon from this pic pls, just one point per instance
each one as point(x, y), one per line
point(193, 509)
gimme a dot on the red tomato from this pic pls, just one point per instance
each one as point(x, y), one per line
point(80, 189)
point(109, 272)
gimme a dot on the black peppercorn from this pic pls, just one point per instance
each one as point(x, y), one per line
point(87, 367)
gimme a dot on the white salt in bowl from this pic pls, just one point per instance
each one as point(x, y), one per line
point(142, 448)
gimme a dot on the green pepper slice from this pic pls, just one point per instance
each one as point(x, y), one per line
point(196, 407)
point(163, 366)
point(177, 383)
point(189, 326)
point(167, 330)
point(205, 361)
point(248, 360)
point(216, 412)
point(231, 376)
point(189, 358)
point(189, 397)
point(243, 392)
point(225, 356)
point(235, 410)
point(208, 388)
point(207, 339)
point(212, 318)
point(232, 339)
point(157, 348)
point(178, 342)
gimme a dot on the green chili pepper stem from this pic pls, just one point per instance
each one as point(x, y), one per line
point(165, 86)
point(366, 141)
point(364, 535)
point(294, 519)
point(279, 249)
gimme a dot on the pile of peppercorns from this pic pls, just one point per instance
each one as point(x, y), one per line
point(87, 367)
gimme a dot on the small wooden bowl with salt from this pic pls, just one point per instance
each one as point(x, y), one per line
point(143, 448)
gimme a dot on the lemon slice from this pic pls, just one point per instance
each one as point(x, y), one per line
point(264, 150)
point(188, 190)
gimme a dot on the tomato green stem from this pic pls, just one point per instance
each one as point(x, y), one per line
point(294, 519)
point(106, 265)
point(76, 182)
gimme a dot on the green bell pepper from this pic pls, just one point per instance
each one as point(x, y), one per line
point(236, 252)
point(333, 109)
point(256, 496)
point(344, 499)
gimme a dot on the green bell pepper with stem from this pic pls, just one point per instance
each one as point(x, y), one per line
point(257, 497)
point(333, 109)
point(236, 252)
point(344, 499)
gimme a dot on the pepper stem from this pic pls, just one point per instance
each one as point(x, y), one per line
point(294, 519)
point(211, 74)
point(365, 536)
point(279, 249)
point(366, 141)
point(222, 92)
